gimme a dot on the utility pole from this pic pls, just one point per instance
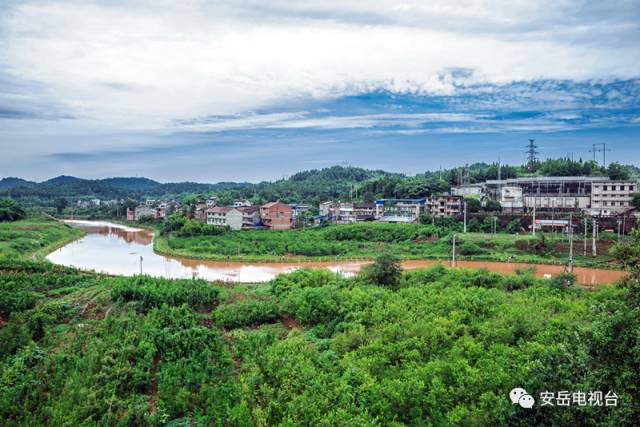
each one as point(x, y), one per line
point(619, 221)
point(594, 248)
point(570, 266)
point(604, 154)
point(465, 216)
point(584, 253)
point(140, 264)
point(594, 151)
point(602, 150)
point(533, 224)
point(453, 256)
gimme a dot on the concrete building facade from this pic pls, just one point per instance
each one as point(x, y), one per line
point(276, 215)
point(225, 216)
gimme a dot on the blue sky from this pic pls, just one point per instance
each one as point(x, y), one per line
point(213, 90)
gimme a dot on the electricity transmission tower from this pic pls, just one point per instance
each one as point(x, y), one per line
point(603, 149)
point(532, 155)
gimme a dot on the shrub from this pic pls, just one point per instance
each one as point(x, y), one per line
point(10, 210)
point(153, 292)
point(246, 313)
point(385, 270)
point(562, 281)
point(302, 278)
point(469, 248)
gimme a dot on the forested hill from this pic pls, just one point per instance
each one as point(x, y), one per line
point(11, 182)
point(312, 186)
point(330, 181)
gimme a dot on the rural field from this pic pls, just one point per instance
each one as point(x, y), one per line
point(428, 347)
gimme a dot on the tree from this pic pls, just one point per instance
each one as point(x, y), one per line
point(617, 172)
point(10, 210)
point(426, 218)
point(636, 200)
point(473, 205)
point(60, 204)
point(493, 206)
point(385, 271)
point(628, 253)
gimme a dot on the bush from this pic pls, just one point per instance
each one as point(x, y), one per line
point(386, 271)
point(563, 281)
point(246, 313)
point(153, 292)
point(303, 278)
point(10, 210)
point(513, 227)
point(469, 248)
point(193, 227)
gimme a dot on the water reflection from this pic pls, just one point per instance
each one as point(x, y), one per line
point(117, 249)
point(143, 237)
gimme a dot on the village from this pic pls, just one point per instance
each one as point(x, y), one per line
point(552, 198)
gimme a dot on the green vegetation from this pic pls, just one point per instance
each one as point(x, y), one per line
point(183, 227)
point(10, 210)
point(384, 271)
point(34, 236)
point(428, 347)
point(368, 240)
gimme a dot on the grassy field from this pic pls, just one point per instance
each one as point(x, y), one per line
point(34, 237)
point(367, 240)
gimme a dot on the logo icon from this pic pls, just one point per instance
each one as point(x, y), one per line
point(521, 397)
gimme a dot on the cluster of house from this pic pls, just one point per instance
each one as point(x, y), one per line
point(157, 210)
point(241, 214)
point(594, 196)
point(390, 210)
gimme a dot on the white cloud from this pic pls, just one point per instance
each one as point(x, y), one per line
point(142, 65)
point(303, 120)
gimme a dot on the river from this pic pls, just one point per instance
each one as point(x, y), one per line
point(117, 249)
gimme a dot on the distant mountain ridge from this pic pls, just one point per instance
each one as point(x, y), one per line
point(330, 180)
point(11, 182)
point(62, 179)
point(310, 186)
point(131, 183)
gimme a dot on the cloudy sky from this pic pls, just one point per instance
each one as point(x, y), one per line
point(252, 90)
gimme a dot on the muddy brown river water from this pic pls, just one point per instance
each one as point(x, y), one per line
point(116, 249)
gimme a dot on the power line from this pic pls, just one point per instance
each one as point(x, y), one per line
point(603, 149)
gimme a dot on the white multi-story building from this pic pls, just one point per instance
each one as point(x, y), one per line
point(225, 216)
point(594, 195)
point(399, 210)
point(611, 197)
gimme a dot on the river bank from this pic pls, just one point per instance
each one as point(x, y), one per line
point(122, 250)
